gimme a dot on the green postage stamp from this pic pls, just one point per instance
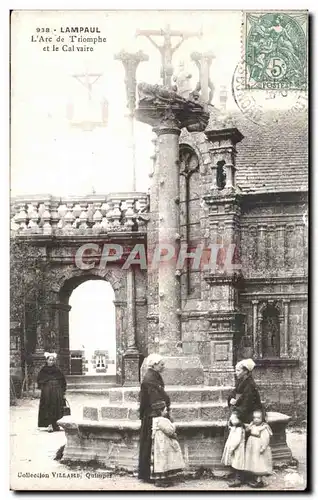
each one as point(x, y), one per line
point(275, 50)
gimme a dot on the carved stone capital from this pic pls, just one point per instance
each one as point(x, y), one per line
point(131, 62)
point(222, 134)
point(200, 57)
point(164, 109)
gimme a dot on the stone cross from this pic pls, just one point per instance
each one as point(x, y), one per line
point(88, 80)
point(166, 50)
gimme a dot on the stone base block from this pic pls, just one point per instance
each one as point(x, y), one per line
point(207, 411)
point(131, 367)
point(115, 443)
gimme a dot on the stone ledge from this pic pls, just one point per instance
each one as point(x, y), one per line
point(125, 424)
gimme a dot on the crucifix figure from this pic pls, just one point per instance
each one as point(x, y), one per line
point(166, 49)
point(91, 120)
point(85, 79)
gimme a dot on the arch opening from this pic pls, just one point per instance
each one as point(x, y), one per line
point(92, 329)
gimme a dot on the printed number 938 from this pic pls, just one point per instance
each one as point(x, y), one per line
point(42, 30)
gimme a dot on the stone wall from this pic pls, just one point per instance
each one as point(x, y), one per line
point(63, 276)
point(274, 257)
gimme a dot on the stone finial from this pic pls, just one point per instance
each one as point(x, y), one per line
point(223, 153)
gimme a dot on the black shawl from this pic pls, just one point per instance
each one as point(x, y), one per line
point(248, 398)
point(152, 390)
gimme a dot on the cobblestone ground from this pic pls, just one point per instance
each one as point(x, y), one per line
point(33, 452)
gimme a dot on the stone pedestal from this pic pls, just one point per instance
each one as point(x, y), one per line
point(111, 437)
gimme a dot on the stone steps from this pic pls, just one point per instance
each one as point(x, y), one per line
point(89, 384)
point(192, 394)
point(89, 390)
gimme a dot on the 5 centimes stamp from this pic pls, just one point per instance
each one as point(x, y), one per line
point(275, 46)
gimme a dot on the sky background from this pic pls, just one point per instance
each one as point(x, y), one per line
point(92, 318)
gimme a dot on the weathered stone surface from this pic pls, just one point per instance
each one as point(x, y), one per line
point(114, 412)
point(90, 413)
point(116, 396)
point(181, 370)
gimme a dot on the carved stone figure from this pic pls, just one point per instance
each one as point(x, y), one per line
point(182, 80)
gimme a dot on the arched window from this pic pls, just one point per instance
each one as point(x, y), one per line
point(220, 175)
point(190, 200)
point(270, 328)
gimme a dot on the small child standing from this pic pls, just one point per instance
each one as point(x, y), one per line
point(258, 454)
point(234, 449)
point(167, 463)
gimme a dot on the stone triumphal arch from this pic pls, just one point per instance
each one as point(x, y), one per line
point(59, 229)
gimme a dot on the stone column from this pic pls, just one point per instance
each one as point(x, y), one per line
point(280, 248)
point(169, 221)
point(284, 348)
point(59, 333)
point(131, 355)
point(131, 62)
point(168, 112)
point(261, 247)
point(255, 330)
point(152, 240)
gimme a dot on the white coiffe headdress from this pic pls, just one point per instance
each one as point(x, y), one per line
point(153, 359)
point(48, 355)
point(246, 363)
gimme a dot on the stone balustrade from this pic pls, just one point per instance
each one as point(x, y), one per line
point(81, 215)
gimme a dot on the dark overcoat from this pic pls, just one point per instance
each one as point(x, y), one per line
point(248, 398)
point(152, 390)
point(52, 383)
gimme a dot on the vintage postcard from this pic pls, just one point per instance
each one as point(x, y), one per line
point(159, 250)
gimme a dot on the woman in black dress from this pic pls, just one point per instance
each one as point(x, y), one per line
point(245, 397)
point(244, 400)
point(151, 391)
point(52, 383)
